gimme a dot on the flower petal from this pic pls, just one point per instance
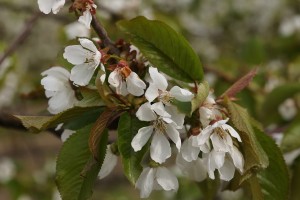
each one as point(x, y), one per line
point(160, 148)
point(218, 157)
point(82, 74)
point(158, 79)
point(176, 116)
point(75, 54)
point(52, 83)
point(181, 94)
point(238, 159)
point(45, 6)
point(219, 143)
point(109, 163)
point(189, 152)
point(145, 182)
point(232, 132)
point(114, 78)
point(145, 113)
point(57, 5)
point(166, 179)
point(227, 171)
point(151, 92)
point(86, 19)
point(159, 109)
point(88, 44)
point(58, 72)
point(135, 85)
point(173, 134)
point(203, 136)
point(141, 138)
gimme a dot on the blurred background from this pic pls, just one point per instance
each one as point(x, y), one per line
point(231, 37)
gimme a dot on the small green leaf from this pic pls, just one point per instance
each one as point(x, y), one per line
point(275, 98)
point(202, 93)
point(164, 48)
point(274, 180)
point(37, 124)
point(131, 160)
point(255, 157)
point(295, 192)
point(290, 140)
point(91, 97)
point(183, 107)
point(71, 162)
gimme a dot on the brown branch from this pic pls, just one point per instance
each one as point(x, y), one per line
point(21, 37)
point(101, 32)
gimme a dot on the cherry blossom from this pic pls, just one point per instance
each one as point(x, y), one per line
point(46, 6)
point(86, 59)
point(59, 89)
point(156, 179)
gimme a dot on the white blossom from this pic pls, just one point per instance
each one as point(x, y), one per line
point(126, 81)
point(208, 111)
point(76, 29)
point(86, 59)
point(156, 179)
point(161, 127)
point(46, 6)
point(158, 89)
point(224, 156)
point(109, 163)
point(8, 170)
point(86, 16)
point(58, 89)
point(288, 109)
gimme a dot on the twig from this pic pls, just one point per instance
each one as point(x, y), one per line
point(21, 38)
point(101, 32)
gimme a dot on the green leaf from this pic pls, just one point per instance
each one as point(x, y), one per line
point(209, 188)
point(74, 180)
point(37, 124)
point(290, 140)
point(131, 160)
point(183, 107)
point(164, 48)
point(295, 192)
point(256, 189)
point(202, 93)
point(90, 97)
point(275, 98)
point(274, 180)
point(255, 156)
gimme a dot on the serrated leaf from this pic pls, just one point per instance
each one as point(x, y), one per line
point(98, 129)
point(255, 157)
point(202, 93)
point(164, 48)
point(274, 180)
point(37, 124)
point(275, 98)
point(131, 160)
point(290, 140)
point(240, 84)
point(72, 159)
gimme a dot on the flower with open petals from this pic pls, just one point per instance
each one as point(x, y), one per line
point(109, 163)
point(46, 6)
point(86, 59)
point(224, 156)
point(86, 17)
point(158, 89)
point(58, 88)
point(126, 81)
point(209, 112)
point(161, 126)
point(156, 179)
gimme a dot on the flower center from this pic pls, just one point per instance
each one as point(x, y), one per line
point(165, 97)
point(159, 125)
point(220, 132)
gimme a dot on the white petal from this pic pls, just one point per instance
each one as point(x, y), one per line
point(82, 74)
point(232, 132)
point(227, 171)
point(114, 78)
point(176, 116)
point(209, 161)
point(141, 138)
point(151, 92)
point(75, 54)
point(205, 148)
point(158, 79)
point(238, 159)
point(218, 157)
point(58, 72)
point(52, 84)
point(206, 115)
point(218, 143)
point(57, 5)
point(220, 123)
point(199, 171)
point(145, 182)
point(159, 109)
point(58, 102)
point(189, 152)
point(145, 113)
point(173, 134)
point(66, 134)
point(88, 44)
point(160, 148)
point(86, 19)
point(109, 163)
point(203, 136)
point(166, 179)
point(135, 85)
point(181, 94)
point(122, 89)
point(45, 6)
